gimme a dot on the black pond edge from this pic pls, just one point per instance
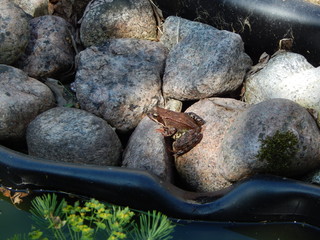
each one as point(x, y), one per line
point(261, 198)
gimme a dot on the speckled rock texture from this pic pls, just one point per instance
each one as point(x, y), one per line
point(121, 80)
point(21, 99)
point(276, 136)
point(203, 61)
point(286, 75)
point(147, 149)
point(14, 32)
point(199, 166)
point(105, 19)
point(35, 8)
point(50, 51)
point(75, 136)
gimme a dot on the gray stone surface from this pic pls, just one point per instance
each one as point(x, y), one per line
point(266, 126)
point(147, 150)
point(105, 19)
point(120, 80)
point(21, 99)
point(199, 166)
point(50, 49)
point(287, 75)
point(203, 61)
point(14, 32)
point(35, 8)
point(73, 135)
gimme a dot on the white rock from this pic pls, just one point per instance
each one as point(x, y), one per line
point(287, 75)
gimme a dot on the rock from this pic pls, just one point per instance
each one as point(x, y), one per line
point(35, 8)
point(147, 149)
point(276, 136)
point(199, 166)
point(14, 32)
point(286, 75)
point(312, 177)
point(69, 10)
point(73, 135)
point(204, 61)
point(50, 51)
point(21, 99)
point(117, 19)
point(120, 80)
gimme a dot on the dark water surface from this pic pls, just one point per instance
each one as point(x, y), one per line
point(14, 220)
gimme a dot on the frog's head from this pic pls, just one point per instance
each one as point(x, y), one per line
point(155, 116)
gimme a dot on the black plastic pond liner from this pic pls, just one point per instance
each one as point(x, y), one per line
point(261, 23)
point(263, 198)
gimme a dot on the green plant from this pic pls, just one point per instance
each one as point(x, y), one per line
point(86, 220)
point(153, 226)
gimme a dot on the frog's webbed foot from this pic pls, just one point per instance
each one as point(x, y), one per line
point(199, 120)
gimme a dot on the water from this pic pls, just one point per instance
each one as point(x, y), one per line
point(14, 220)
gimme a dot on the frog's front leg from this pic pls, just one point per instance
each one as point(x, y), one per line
point(166, 131)
point(186, 142)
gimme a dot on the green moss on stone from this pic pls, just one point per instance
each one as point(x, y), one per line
point(278, 150)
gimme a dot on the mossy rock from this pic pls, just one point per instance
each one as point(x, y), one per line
point(276, 136)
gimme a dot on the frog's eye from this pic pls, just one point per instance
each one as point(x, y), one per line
point(155, 114)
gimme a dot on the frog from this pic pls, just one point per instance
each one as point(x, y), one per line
point(185, 126)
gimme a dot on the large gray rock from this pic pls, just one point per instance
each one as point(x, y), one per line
point(120, 80)
point(50, 49)
point(21, 99)
point(35, 8)
point(73, 135)
point(203, 61)
point(199, 166)
point(148, 150)
point(14, 32)
point(276, 136)
point(117, 19)
point(286, 75)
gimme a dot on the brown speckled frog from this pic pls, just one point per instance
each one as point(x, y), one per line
point(187, 125)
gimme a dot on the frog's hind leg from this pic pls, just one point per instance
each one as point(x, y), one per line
point(189, 140)
point(197, 118)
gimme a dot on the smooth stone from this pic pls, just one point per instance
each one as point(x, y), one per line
point(35, 8)
point(147, 149)
point(22, 98)
point(117, 19)
point(50, 51)
point(14, 32)
point(74, 136)
point(286, 75)
point(198, 167)
point(276, 136)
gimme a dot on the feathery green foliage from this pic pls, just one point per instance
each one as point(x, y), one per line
point(90, 220)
